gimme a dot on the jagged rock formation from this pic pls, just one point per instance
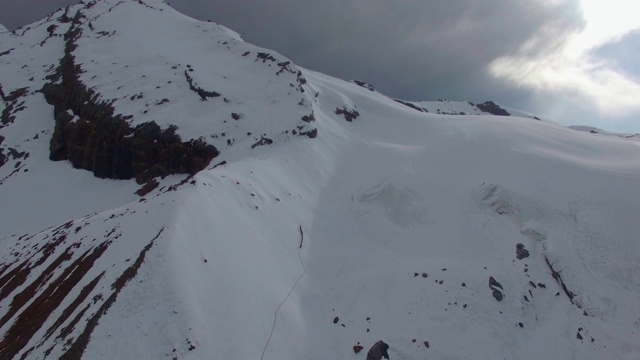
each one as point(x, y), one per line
point(103, 142)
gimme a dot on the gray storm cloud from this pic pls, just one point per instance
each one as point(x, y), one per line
point(412, 49)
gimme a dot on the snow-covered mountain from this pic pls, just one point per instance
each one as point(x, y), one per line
point(210, 199)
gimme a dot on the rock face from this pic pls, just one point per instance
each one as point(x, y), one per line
point(492, 108)
point(92, 137)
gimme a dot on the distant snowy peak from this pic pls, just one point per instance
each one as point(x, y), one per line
point(594, 130)
point(447, 107)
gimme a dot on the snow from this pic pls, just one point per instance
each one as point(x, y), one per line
point(254, 259)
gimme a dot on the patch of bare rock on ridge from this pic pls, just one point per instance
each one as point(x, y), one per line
point(92, 137)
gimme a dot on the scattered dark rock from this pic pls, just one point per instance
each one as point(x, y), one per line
point(520, 324)
point(541, 285)
point(236, 116)
point(349, 115)
point(464, 285)
point(521, 252)
point(264, 57)
point(532, 284)
point(336, 319)
point(357, 348)
point(426, 344)
point(13, 106)
point(497, 294)
point(284, 66)
point(413, 340)
point(246, 53)
point(578, 336)
point(425, 275)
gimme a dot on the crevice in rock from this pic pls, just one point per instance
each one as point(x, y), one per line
point(556, 276)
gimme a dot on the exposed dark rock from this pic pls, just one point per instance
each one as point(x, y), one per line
point(236, 116)
point(363, 84)
point(204, 94)
point(313, 133)
point(336, 319)
point(578, 336)
point(264, 57)
point(103, 142)
point(13, 106)
point(558, 278)
point(6, 52)
point(493, 283)
point(492, 108)
point(263, 141)
point(51, 29)
point(426, 344)
point(357, 348)
point(77, 347)
point(410, 105)
point(349, 115)
point(521, 252)
point(148, 187)
point(309, 118)
point(284, 66)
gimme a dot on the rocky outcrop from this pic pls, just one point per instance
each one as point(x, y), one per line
point(92, 137)
point(349, 115)
point(492, 108)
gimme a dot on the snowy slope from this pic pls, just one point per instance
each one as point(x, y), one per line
point(387, 225)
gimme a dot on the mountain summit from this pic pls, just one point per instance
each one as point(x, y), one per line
point(169, 191)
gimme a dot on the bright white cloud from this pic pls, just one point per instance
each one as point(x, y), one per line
point(567, 67)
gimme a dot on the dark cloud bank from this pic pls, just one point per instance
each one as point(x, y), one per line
point(411, 49)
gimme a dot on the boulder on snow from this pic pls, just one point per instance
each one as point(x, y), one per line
point(521, 252)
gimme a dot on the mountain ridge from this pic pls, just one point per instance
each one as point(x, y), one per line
point(345, 217)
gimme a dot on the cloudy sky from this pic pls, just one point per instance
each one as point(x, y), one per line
point(573, 61)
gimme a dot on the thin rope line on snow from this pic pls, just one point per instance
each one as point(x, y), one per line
point(275, 314)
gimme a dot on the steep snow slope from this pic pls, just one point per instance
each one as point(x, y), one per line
point(387, 225)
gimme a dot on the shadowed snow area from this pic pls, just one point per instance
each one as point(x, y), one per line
point(447, 236)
